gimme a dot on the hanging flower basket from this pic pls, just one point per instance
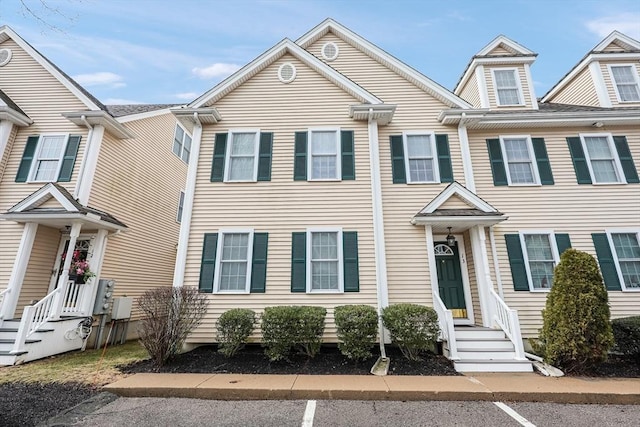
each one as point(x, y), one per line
point(79, 270)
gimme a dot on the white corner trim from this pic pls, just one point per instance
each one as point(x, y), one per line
point(482, 87)
point(467, 165)
point(89, 164)
point(532, 91)
point(599, 84)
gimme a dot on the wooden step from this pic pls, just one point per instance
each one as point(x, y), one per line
point(481, 365)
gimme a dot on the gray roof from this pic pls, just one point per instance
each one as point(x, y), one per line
point(125, 110)
point(552, 107)
point(459, 212)
point(5, 98)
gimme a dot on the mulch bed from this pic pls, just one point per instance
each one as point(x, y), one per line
point(251, 360)
point(616, 366)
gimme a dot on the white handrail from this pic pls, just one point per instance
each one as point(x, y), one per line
point(73, 297)
point(508, 321)
point(2, 296)
point(445, 320)
point(33, 317)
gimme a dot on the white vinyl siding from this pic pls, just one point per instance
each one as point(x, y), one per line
point(625, 79)
point(626, 252)
point(602, 158)
point(324, 155)
point(507, 87)
point(233, 264)
point(242, 156)
point(48, 158)
point(421, 158)
point(541, 256)
point(182, 144)
point(324, 261)
point(520, 160)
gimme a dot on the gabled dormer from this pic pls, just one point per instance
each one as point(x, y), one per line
point(608, 76)
point(498, 77)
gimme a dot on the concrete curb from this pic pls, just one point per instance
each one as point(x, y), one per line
point(481, 387)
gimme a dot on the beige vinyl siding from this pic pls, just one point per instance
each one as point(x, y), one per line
point(282, 205)
point(525, 93)
point(7, 150)
point(565, 207)
point(471, 93)
point(407, 263)
point(613, 48)
point(610, 84)
point(499, 51)
point(454, 202)
point(139, 182)
point(36, 281)
point(579, 91)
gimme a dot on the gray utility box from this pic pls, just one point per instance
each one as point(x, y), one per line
point(104, 296)
point(121, 308)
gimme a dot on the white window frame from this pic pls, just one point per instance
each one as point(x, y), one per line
point(227, 155)
point(185, 134)
point(518, 86)
point(434, 151)
point(616, 159)
point(339, 242)
point(554, 251)
point(180, 212)
point(532, 157)
point(218, 270)
point(310, 132)
point(634, 73)
point(36, 157)
point(609, 233)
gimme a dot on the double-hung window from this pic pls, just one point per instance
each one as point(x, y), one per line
point(507, 86)
point(48, 158)
point(421, 158)
point(625, 80)
point(519, 158)
point(627, 255)
point(540, 256)
point(602, 158)
point(180, 207)
point(182, 144)
point(234, 261)
point(242, 155)
point(325, 269)
point(324, 154)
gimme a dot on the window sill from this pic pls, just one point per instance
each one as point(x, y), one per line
point(423, 182)
point(240, 181)
point(231, 292)
point(324, 180)
point(325, 291)
point(540, 290)
point(533, 184)
point(510, 105)
point(608, 183)
point(630, 289)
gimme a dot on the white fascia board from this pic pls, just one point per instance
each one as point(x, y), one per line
point(72, 217)
point(99, 118)
point(380, 55)
point(501, 39)
point(382, 113)
point(140, 116)
point(455, 188)
point(49, 67)
point(13, 116)
point(41, 196)
point(617, 36)
point(484, 221)
point(536, 116)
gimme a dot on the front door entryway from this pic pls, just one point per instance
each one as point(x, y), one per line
point(83, 249)
point(450, 282)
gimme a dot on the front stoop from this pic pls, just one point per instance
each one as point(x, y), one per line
point(486, 350)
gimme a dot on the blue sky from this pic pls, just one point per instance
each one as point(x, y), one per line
point(171, 51)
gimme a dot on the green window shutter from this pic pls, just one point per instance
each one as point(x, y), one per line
point(606, 261)
point(516, 262)
point(628, 167)
point(542, 159)
point(69, 159)
point(219, 153)
point(497, 164)
point(300, 158)
point(208, 265)
point(27, 158)
point(397, 160)
point(299, 262)
point(444, 158)
point(259, 263)
point(579, 160)
point(348, 157)
point(563, 241)
point(264, 160)
point(350, 255)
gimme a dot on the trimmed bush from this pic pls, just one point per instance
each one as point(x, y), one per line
point(414, 328)
point(626, 334)
point(576, 333)
point(357, 329)
point(234, 327)
point(292, 327)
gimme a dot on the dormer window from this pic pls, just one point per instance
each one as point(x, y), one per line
point(625, 79)
point(507, 87)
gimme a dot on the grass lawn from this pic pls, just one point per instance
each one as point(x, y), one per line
point(89, 367)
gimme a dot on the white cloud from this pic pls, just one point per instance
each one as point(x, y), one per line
point(219, 69)
point(187, 95)
point(120, 101)
point(102, 78)
point(626, 23)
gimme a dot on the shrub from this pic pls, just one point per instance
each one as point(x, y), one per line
point(292, 327)
point(626, 334)
point(576, 332)
point(234, 327)
point(168, 316)
point(357, 329)
point(414, 328)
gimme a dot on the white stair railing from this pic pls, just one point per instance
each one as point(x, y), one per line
point(73, 298)
point(508, 321)
point(2, 297)
point(445, 320)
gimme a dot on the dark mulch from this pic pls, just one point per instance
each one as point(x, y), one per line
point(615, 366)
point(251, 360)
point(28, 404)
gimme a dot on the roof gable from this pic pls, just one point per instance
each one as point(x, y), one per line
point(504, 43)
point(459, 191)
point(48, 196)
point(617, 38)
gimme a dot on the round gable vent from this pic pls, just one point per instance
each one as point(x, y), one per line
point(330, 51)
point(287, 72)
point(5, 56)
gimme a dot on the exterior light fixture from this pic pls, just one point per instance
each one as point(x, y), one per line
point(451, 240)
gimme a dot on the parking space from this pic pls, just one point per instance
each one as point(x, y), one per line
point(556, 414)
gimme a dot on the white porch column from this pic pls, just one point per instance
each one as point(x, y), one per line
point(99, 249)
point(19, 270)
point(64, 277)
point(483, 273)
point(431, 255)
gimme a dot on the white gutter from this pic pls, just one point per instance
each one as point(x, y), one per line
point(187, 210)
point(89, 163)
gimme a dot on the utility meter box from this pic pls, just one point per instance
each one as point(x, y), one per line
point(121, 308)
point(104, 296)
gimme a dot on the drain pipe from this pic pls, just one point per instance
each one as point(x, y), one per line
point(83, 165)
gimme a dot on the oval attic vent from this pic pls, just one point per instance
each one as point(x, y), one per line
point(330, 51)
point(287, 72)
point(5, 56)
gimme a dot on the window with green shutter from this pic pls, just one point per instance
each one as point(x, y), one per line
point(601, 158)
point(533, 257)
point(497, 163)
point(519, 160)
point(420, 158)
point(48, 158)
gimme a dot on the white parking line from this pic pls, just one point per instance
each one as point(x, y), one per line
point(513, 414)
point(307, 421)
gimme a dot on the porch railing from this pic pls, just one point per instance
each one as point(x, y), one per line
point(445, 320)
point(2, 297)
point(508, 321)
point(73, 298)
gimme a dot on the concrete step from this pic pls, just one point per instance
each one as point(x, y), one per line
point(480, 365)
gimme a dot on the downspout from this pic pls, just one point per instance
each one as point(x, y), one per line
point(83, 166)
point(382, 293)
point(467, 166)
point(185, 225)
point(496, 264)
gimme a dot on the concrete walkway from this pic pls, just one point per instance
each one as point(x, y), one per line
point(481, 386)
